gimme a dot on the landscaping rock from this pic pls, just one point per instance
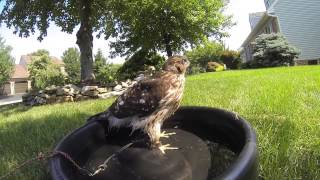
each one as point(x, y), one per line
point(28, 99)
point(92, 93)
point(71, 93)
point(124, 84)
point(88, 88)
point(52, 99)
point(117, 88)
point(51, 89)
point(105, 95)
point(73, 89)
point(67, 99)
point(102, 90)
point(60, 91)
point(38, 101)
point(59, 99)
point(117, 93)
point(132, 83)
point(25, 97)
point(45, 96)
point(128, 81)
point(79, 97)
point(139, 77)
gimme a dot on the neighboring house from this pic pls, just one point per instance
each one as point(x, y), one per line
point(25, 60)
point(297, 20)
point(19, 81)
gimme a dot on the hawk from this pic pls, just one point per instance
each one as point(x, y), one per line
point(148, 103)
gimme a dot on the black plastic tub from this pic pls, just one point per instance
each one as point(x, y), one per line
point(197, 129)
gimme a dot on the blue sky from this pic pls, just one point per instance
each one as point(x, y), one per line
point(57, 42)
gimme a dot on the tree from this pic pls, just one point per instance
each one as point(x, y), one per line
point(44, 73)
point(138, 62)
point(91, 15)
point(40, 52)
point(99, 61)
point(107, 74)
point(71, 59)
point(273, 50)
point(204, 53)
point(104, 71)
point(6, 63)
point(163, 25)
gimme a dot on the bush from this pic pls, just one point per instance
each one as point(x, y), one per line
point(48, 77)
point(139, 62)
point(272, 50)
point(231, 59)
point(245, 65)
point(43, 73)
point(204, 53)
point(106, 74)
point(214, 67)
point(196, 69)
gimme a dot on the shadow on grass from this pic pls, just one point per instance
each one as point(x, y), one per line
point(10, 109)
point(24, 139)
point(280, 156)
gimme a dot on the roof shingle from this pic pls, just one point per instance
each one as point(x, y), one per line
point(20, 72)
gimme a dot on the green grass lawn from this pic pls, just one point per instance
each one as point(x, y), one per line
point(282, 104)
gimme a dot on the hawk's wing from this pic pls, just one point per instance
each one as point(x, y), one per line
point(141, 99)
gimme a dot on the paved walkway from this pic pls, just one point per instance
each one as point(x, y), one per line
point(5, 100)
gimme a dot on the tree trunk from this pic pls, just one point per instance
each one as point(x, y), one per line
point(85, 42)
point(167, 40)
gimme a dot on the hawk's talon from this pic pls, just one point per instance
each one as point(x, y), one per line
point(162, 148)
point(166, 135)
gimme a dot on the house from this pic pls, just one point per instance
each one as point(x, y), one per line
point(297, 20)
point(19, 81)
point(254, 19)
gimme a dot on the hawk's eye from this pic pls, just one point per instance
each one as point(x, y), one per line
point(184, 60)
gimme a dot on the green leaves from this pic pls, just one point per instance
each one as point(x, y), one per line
point(44, 73)
point(163, 24)
point(202, 54)
point(150, 25)
point(6, 63)
point(28, 16)
point(71, 59)
point(104, 71)
point(139, 62)
point(273, 50)
point(99, 61)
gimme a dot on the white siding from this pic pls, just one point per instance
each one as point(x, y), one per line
point(300, 23)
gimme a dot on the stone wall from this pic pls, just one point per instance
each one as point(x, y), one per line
point(72, 93)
